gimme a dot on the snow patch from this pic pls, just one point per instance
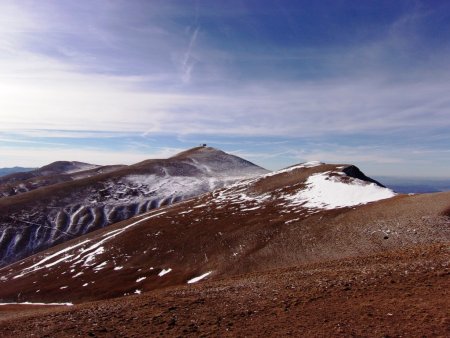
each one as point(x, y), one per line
point(101, 266)
point(28, 303)
point(86, 255)
point(38, 265)
point(91, 256)
point(327, 192)
point(164, 272)
point(199, 278)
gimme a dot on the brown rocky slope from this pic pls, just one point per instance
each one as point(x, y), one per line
point(402, 293)
point(277, 257)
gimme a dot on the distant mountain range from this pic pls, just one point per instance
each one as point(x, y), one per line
point(7, 171)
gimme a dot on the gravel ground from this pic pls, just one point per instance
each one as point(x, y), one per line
point(401, 293)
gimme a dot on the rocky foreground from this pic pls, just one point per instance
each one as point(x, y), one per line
point(402, 293)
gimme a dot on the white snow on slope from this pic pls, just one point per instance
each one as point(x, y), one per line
point(329, 192)
point(85, 255)
point(28, 303)
point(164, 272)
point(39, 265)
point(199, 278)
point(237, 192)
point(158, 187)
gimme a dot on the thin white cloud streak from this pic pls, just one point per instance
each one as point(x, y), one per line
point(14, 22)
point(336, 106)
point(59, 98)
point(187, 64)
point(37, 134)
point(20, 141)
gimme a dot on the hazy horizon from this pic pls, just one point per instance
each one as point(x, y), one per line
point(275, 82)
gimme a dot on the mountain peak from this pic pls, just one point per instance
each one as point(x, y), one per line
point(200, 150)
point(217, 161)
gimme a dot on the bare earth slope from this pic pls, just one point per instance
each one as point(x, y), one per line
point(401, 293)
point(88, 200)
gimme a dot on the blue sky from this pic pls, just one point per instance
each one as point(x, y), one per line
point(277, 82)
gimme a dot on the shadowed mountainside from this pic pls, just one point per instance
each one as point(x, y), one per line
point(53, 213)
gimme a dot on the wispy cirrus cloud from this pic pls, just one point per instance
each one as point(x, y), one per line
point(43, 92)
point(188, 62)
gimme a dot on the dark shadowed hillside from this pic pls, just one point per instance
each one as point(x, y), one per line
point(94, 198)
